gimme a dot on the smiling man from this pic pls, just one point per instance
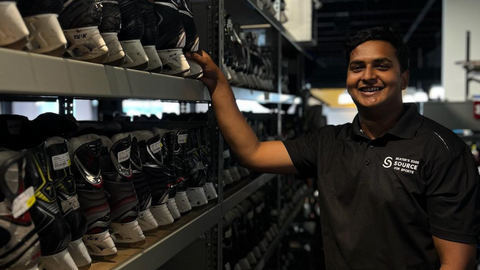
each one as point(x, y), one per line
point(397, 190)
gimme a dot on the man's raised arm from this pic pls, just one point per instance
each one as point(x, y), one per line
point(259, 156)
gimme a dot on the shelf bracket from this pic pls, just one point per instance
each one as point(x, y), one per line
point(65, 105)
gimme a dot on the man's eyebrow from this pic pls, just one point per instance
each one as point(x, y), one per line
point(356, 62)
point(382, 60)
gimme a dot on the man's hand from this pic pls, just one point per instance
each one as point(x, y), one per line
point(212, 75)
point(455, 256)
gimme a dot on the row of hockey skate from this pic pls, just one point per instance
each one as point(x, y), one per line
point(99, 189)
point(139, 34)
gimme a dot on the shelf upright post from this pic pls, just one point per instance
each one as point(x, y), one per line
point(467, 79)
point(65, 105)
point(279, 83)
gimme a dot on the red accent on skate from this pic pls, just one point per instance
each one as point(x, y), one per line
point(123, 201)
point(96, 230)
point(99, 208)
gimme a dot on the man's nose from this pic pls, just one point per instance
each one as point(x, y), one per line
point(369, 74)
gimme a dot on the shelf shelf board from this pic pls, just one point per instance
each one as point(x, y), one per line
point(23, 73)
point(273, 246)
point(470, 65)
point(262, 96)
point(165, 243)
point(244, 192)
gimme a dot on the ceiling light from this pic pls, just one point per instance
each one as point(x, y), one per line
point(437, 93)
point(345, 98)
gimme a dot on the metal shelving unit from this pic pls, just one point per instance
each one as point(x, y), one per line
point(276, 242)
point(246, 191)
point(162, 245)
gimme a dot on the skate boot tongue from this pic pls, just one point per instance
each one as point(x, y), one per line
point(13, 131)
point(120, 154)
point(12, 172)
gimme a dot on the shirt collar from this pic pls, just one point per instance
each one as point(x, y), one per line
point(406, 127)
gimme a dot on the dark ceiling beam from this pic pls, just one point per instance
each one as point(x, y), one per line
point(418, 20)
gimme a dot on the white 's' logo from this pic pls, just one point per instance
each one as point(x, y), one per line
point(387, 163)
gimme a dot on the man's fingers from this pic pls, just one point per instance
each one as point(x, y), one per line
point(199, 59)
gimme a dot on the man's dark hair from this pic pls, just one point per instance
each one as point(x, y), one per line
point(384, 34)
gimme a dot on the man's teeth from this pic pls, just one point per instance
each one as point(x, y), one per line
point(370, 89)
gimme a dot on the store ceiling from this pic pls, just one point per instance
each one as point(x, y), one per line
point(338, 19)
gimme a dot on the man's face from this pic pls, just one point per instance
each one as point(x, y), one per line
point(374, 79)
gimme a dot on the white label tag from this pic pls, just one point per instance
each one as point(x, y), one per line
point(124, 155)
point(71, 203)
point(182, 138)
point(226, 154)
point(61, 161)
point(23, 202)
point(260, 4)
point(156, 147)
point(228, 233)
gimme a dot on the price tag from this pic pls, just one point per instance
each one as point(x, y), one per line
point(156, 147)
point(124, 155)
point(71, 203)
point(61, 161)
point(182, 138)
point(228, 233)
point(476, 109)
point(226, 154)
point(23, 202)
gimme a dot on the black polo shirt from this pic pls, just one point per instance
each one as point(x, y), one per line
point(382, 200)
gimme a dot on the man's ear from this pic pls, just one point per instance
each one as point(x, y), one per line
point(404, 79)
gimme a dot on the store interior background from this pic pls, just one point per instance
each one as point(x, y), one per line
point(435, 32)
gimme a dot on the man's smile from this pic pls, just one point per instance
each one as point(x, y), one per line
point(370, 88)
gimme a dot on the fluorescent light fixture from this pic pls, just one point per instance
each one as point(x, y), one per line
point(408, 98)
point(345, 98)
point(256, 26)
point(420, 96)
point(251, 106)
point(437, 92)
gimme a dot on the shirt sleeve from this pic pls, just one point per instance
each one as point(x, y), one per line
point(453, 201)
point(303, 153)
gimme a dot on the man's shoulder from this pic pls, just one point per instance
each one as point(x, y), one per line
point(442, 137)
point(335, 131)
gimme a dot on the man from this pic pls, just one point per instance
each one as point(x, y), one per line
point(397, 190)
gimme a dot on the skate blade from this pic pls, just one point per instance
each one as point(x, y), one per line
point(151, 231)
point(195, 76)
point(57, 52)
point(131, 245)
point(167, 226)
point(103, 258)
point(140, 67)
point(155, 70)
point(99, 59)
point(85, 267)
point(185, 213)
point(17, 45)
point(116, 63)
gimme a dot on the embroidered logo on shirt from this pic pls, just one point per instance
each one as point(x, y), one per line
point(401, 164)
point(387, 163)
